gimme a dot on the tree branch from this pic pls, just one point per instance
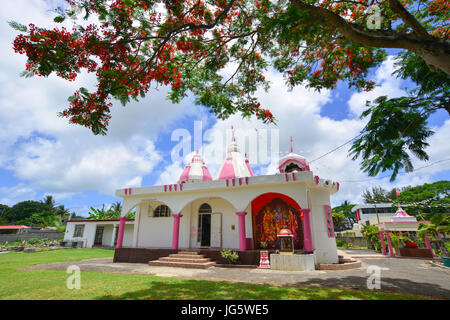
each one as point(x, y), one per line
point(409, 19)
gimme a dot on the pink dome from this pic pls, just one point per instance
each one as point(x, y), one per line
point(235, 165)
point(402, 216)
point(196, 170)
point(293, 162)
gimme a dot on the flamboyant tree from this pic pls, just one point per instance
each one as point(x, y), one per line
point(220, 50)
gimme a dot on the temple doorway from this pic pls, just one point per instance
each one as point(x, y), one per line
point(272, 212)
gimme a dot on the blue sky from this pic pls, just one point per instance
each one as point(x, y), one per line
point(42, 154)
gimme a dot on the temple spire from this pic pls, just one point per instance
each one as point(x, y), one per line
point(232, 134)
point(292, 150)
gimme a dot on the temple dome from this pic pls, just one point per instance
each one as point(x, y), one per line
point(196, 170)
point(402, 216)
point(293, 162)
point(235, 164)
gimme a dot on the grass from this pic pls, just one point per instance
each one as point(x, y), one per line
point(51, 284)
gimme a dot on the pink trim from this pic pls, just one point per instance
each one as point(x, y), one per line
point(176, 230)
point(206, 175)
point(317, 179)
point(303, 163)
point(170, 187)
point(382, 243)
point(228, 183)
point(249, 168)
point(126, 191)
point(242, 240)
point(227, 171)
point(240, 181)
point(391, 251)
point(121, 231)
point(97, 220)
point(427, 242)
point(329, 220)
point(293, 176)
point(395, 222)
point(246, 180)
point(181, 187)
point(165, 188)
point(129, 191)
point(185, 174)
point(337, 185)
point(287, 177)
point(307, 236)
point(234, 182)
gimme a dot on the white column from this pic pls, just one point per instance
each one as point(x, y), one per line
point(113, 237)
point(137, 220)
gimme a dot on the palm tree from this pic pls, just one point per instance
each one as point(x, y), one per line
point(115, 209)
point(98, 213)
point(49, 201)
point(440, 224)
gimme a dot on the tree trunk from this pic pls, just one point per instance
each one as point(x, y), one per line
point(435, 54)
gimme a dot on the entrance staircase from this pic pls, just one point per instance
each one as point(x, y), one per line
point(184, 259)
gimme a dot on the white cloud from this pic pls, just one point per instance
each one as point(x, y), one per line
point(389, 86)
point(12, 195)
point(52, 155)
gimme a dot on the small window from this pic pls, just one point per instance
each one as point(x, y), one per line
point(79, 230)
point(162, 211)
point(205, 208)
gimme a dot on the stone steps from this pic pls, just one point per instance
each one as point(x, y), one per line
point(184, 259)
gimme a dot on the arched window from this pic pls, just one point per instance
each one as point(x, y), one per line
point(162, 211)
point(205, 208)
point(292, 167)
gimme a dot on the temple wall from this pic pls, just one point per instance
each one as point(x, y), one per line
point(324, 247)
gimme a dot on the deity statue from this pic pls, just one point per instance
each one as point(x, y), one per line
point(279, 218)
point(269, 232)
point(293, 224)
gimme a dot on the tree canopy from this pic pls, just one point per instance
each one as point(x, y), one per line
point(221, 50)
point(423, 201)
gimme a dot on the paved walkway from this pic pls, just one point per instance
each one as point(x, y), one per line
point(413, 276)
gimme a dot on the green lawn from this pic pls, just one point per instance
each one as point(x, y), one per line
point(51, 284)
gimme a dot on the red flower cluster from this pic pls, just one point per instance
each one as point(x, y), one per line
point(410, 244)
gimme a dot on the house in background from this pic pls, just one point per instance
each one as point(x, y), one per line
point(97, 232)
point(19, 229)
point(369, 214)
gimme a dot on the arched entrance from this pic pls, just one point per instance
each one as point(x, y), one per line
point(272, 212)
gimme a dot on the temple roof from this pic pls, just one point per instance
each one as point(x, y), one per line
point(402, 216)
point(196, 170)
point(235, 164)
point(293, 162)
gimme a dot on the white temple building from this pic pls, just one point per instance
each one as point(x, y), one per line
point(236, 210)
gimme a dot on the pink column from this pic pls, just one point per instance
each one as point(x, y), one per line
point(427, 242)
point(176, 230)
point(307, 235)
point(121, 231)
point(382, 243)
point(242, 241)
point(391, 251)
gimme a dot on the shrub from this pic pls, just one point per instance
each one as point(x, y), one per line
point(339, 243)
point(230, 255)
point(32, 240)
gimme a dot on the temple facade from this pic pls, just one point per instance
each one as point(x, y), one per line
point(236, 209)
